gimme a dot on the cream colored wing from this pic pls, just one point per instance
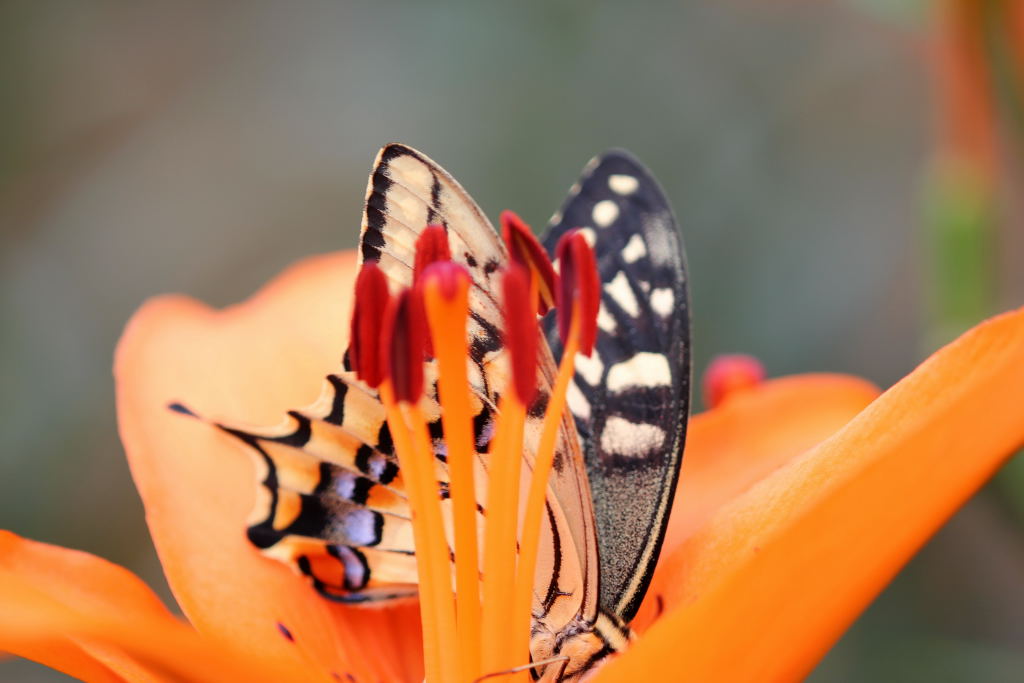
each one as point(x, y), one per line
point(406, 192)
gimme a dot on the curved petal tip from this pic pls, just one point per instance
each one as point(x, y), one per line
point(775, 575)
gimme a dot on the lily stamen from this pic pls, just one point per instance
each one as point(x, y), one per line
point(501, 568)
point(401, 390)
point(446, 301)
point(574, 296)
point(431, 247)
point(485, 626)
point(371, 303)
point(524, 249)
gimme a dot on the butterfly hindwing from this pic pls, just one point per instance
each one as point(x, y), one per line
point(631, 398)
point(331, 501)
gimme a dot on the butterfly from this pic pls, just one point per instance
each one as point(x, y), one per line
point(332, 501)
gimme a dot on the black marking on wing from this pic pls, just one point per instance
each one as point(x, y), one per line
point(384, 443)
point(372, 242)
point(486, 343)
point(373, 238)
point(300, 436)
point(337, 414)
point(257, 533)
point(435, 200)
point(632, 431)
point(552, 593)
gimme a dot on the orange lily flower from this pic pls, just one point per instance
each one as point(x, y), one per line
point(799, 499)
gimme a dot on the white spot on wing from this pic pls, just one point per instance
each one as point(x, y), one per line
point(376, 467)
point(642, 370)
point(622, 293)
point(345, 485)
point(632, 439)
point(556, 218)
point(605, 212)
point(355, 571)
point(590, 368)
point(589, 235)
point(623, 184)
point(605, 320)
point(663, 301)
point(360, 527)
point(660, 245)
point(634, 250)
point(578, 403)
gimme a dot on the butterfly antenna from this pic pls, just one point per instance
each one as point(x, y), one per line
point(564, 659)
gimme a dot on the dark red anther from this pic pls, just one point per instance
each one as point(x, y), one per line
point(402, 345)
point(524, 249)
point(371, 303)
point(578, 281)
point(730, 374)
point(431, 246)
point(520, 331)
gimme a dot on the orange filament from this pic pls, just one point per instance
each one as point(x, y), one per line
point(416, 458)
point(446, 316)
point(438, 555)
point(502, 571)
point(504, 467)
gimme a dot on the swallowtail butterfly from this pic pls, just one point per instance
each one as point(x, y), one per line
point(332, 500)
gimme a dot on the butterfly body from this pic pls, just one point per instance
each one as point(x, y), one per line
point(332, 498)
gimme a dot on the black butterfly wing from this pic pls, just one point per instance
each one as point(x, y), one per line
point(631, 399)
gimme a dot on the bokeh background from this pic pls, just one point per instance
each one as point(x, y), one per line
point(847, 175)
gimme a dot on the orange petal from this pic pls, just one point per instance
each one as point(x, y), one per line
point(246, 364)
point(94, 620)
point(730, 448)
point(772, 580)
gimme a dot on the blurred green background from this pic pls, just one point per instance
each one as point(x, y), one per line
point(201, 147)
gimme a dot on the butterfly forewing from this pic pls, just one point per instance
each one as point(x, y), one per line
point(631, 398)
point(406, 192)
